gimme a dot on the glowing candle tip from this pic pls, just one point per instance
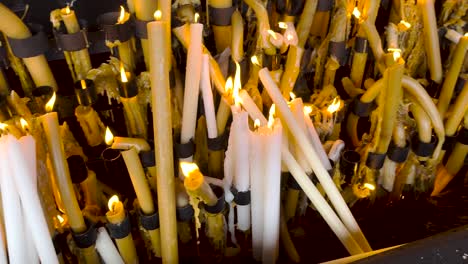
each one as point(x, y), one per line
point(50, 104)
point(334, 106)
point(188, 167)
point(196, 17)
point(121, 18)
point(369, 186)
point(112, 201)
point(109, 137)
point(157, 15)
point(356, 13)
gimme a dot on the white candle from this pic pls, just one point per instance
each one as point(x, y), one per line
point(272, 190)
point(106, 248)
point(192, 84)
point(240, 134)
point(12, 215)
point(3, 254)
point(27, 189)
point(312, 157)
point(316, 143)
point(297, 108)
point(207, 94)
point(257, 169)
point(249, 105)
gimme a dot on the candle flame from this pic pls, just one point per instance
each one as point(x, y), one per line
point(396, 55)
point(157, 15)
point(369, 186)
point(289, 36)
point(404, 25)
point(466, 34)
point(50, 104)
point(356, 13)
point(237, 85)
point(109, 137)
point(188, 167)
point(24, 124)
point(335, 105)
point(272, 34)
point(257, 123)
point(83, 84)
point(112, 201)
point(3, 126)
point(60, 219)
point(228, 86)
point(121, 19)
point(254, 60)
point(292, 95)
point(123, 74)
point(67, 10)
point(282, 25)
point(307, 110)
point(196, 17)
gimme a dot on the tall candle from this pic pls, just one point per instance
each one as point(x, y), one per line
point(272, 190)
point(192, 84)
point(106, 248)
point(297, 108)
point(316, 143)
point(431, 39)
point(12, 214)
point(91, 125)
point(319, 169)
point(24, 178)
point(161, 97)
point(62, 174)
point(207, 93)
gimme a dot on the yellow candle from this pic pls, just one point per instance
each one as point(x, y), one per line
point(116, 216)
point(91, 125)
point(458, 111)
point(144, 10)
point(196, 185)
point(431, 39)
point(453, 71)
point(160, 94)
point(305, 22)
point(222, 34)
point(237, 44)
point(60, 165)
point(38, 68)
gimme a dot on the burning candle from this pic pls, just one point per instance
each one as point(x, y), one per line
point(312, 157)
point(116, 216)
point(192, 83)
point(159, 39)
point(61, 173)
point(126, 49)
point(196, 185)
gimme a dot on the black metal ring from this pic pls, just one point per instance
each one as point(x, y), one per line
point(338, 50)
point(56, 241)
point(149, 222)
point(348, 163)
point(360, 108)
point(87, 96)
point(219, 206)
point(147, 158)
point(218, 143)
point(324, 5)
point(72, 42)
point(449, 142)
point(35, 45)
point(361, 45)
point(423, 149)
point(141, 31)
point(185, 214)
point(398, 154)
point(185, 150)
point(240, 198)
point(122, 32)
point(128, 89)
point(87, 238)
point(375, 160)
point(221, 16)
point(121, 230)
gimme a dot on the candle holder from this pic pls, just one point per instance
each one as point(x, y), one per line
point(349, 163)
point(375, 160)
point(113, 31)
point(32, 46)
point(87, 238)
point(116, 176)
point(398, 154)
point(423, 149)
point(86, 95)
point(41, 95)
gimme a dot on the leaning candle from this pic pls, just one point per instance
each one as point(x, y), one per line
point(116, 216)
point(297, 107)
point(106, 248)
point(25, 178)
point(12, 214)
point(196, 185)
point(315, 139)
point(192, 83)
point(431, 39)
point(161, 98)
point(62, 175)
point(312, 157)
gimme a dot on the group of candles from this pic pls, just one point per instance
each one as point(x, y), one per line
point(260, 150)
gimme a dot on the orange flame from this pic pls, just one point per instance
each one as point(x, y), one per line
point(112, 201)
point(109, 137)
point(335, 106)
point(188, 168)
point(157, 15)
point(50, 104)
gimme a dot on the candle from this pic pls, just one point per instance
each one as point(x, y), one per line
point(292, 69)
point(126, 48)
point(91, 125)
point(196, 185)
point(207, 95)
point(297, 108)
point(106, 248)
point(451, 76)
point(160, 95)
point(12, 213)
point(192, 83)
point(315, 139)
point(144, 11)
point(312, 156)
point(116, 216)
point(237, 44)
point(276, 39)
point(25, 178)
point(431, 39)
point(222, 34)
point(305, 21)
point(62, 175)
point(271, 199)
point(80, 59)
